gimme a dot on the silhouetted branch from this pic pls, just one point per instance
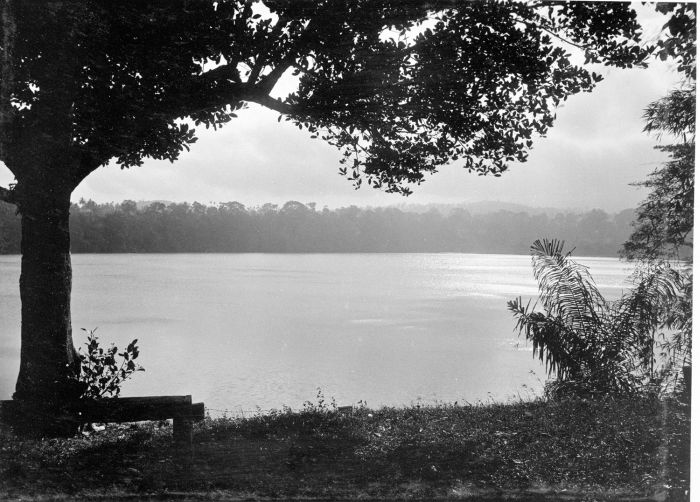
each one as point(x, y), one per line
point(7, 195)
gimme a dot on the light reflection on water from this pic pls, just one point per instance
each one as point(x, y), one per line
point(244, 330)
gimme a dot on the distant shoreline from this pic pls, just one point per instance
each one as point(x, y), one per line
point(294, 227)
point(314, 253)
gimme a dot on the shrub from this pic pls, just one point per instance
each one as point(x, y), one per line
point(102, 373)
point(594, 346)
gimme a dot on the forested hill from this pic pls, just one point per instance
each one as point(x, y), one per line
point(294, 227)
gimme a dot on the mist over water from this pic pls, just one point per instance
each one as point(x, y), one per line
point(241, 331)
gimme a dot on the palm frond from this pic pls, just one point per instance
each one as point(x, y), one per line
point(566, 287)
point(582, 338)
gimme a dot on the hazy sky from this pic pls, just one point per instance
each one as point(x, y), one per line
point(588, 159)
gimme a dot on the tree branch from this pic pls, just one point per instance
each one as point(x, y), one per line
point(218, 95)
point(548, 30)
point(7, 195)
point(228, 71)
point(269, 81)
point(227, 92)
point(260, 64)
point(270, 102)
point(88, 162)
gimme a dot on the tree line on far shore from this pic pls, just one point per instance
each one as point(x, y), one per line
point(294, 227)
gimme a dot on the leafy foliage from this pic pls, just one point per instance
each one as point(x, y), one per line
point(400, 87)
point(665, 220)
point(673, 114)
point(594, 345)
point(101, 373)
point(679, 42)
point(664, 224)
point(678, 345)
point(420, 110)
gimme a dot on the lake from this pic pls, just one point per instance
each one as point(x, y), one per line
point(248, 331)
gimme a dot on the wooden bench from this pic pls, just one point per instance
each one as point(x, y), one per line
point(131, 409)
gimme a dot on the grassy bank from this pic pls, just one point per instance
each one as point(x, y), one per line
point(601, 449)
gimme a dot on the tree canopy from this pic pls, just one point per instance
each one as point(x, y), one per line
point(400, 87)
point(665, 219)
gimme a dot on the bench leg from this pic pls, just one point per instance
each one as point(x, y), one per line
point(182, 430)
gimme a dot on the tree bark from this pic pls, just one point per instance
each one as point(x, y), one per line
point(41, 153)
point(7, 20)
point(48, 366)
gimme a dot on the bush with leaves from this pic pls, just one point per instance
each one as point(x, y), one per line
point(101, 372)
point(591, 345)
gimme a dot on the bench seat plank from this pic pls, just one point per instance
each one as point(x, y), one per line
point(134, 409)
point(130, 409)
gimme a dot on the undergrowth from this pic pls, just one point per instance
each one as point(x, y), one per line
point(604, 447)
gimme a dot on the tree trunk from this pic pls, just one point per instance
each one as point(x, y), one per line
point(48, 366)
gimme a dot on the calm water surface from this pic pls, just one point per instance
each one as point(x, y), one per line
point(241, 331)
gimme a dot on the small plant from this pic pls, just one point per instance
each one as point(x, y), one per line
point(101, 374)
point(321, 405)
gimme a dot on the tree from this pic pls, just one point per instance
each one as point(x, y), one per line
point(400, 87)
point(665, 219)
point(592, 345)
point(664, 225)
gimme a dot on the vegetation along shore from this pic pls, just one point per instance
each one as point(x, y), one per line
point(293, 227)
point(566, 449)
